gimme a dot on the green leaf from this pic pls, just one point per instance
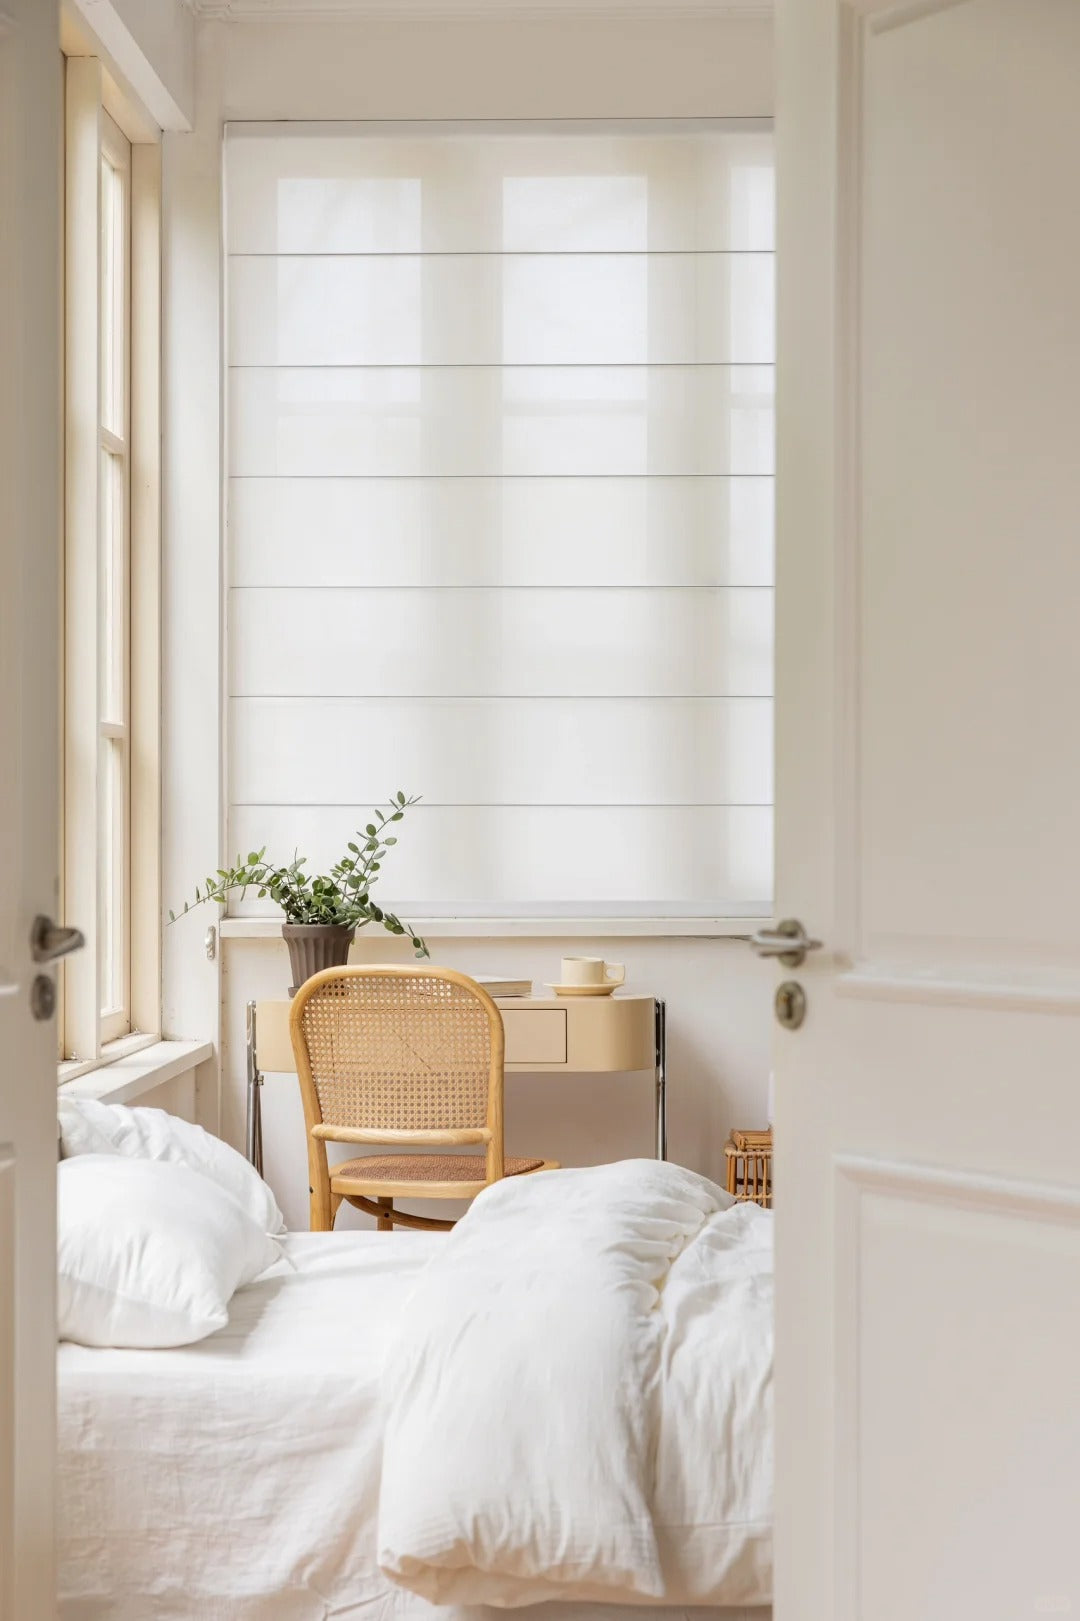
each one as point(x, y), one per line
point(340, 895)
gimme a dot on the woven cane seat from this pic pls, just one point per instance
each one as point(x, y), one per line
point(425, 1168)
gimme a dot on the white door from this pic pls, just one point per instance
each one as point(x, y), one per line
point(928, 1110)
point(30, 111)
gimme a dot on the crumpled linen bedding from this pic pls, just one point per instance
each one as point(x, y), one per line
point(240, 1479)
point(578, 1397)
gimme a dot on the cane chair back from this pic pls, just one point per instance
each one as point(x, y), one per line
point(400, 1049)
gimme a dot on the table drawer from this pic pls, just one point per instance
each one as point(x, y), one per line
point(535, 1035)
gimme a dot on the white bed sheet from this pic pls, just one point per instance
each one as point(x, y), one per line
point(237, 1480)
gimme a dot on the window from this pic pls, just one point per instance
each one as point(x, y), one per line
point(114, 776)
point(500, 462)
point(111, 536)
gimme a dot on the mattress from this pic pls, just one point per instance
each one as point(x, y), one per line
point(237, 1479)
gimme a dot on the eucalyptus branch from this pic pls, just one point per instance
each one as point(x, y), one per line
point(342, 896)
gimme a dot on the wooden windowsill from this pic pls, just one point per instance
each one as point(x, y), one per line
point(121, 1079)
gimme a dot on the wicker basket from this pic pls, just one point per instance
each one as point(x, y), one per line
point(749, 1166)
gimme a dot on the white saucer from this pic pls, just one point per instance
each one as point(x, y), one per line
point(584, 990)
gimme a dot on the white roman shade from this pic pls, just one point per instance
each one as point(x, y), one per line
point(500, 510)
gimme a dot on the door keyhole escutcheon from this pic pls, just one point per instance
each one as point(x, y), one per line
point(42, 998)
point(790, 1004)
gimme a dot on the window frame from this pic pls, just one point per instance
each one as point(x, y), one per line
point(111, 615)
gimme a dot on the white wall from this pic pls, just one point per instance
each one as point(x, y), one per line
point(718, 994)
point(564, 68)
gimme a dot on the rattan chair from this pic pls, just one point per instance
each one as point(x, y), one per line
point(403, 1057)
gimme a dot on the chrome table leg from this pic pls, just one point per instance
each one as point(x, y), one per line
point(253, 1133)
point(661, 1079)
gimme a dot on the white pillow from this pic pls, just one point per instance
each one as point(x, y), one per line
point(90, 1127)
point(149, 1253)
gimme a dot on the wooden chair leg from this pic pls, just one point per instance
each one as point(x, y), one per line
point(385, 1220)
point(323, 1210)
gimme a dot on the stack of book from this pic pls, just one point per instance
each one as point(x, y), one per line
point(499, 985)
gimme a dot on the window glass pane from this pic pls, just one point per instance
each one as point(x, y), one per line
point(111, 870)
point(113, 300)
point(113, 587)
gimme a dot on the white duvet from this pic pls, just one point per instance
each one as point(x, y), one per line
point(578, 1398)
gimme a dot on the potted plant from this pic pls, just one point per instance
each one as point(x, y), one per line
point(322, 913)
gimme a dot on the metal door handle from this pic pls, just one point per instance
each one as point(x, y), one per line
point(788, 941)
point(49, 940)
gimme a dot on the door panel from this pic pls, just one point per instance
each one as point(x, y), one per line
point(950, 1421)
point(29, 842)
point(928, 774)
point(968, 483)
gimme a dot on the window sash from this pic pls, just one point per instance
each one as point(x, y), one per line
point(112, 425)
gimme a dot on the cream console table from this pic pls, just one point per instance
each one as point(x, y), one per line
point(583, 1035)
point(544, 1035)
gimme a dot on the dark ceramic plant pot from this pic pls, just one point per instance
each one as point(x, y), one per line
point(314, 946)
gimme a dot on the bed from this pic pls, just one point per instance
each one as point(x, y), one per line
point(239, 1479)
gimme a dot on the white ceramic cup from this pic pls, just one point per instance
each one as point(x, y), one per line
point(591, 971)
